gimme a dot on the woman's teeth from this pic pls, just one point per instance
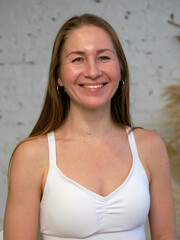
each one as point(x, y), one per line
point(93, 86)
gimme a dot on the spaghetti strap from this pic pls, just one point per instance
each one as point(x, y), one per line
point(52, 149)
point(134, 150)
point(132, 144)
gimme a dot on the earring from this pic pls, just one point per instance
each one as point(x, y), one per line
point(59, 90)
point(123, 82)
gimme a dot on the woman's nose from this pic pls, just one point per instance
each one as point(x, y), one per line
point(92, 69)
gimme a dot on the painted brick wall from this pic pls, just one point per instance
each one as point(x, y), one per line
point(27, 32)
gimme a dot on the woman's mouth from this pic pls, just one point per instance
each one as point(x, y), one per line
point(93, 86)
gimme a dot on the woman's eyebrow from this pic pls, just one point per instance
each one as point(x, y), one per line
point(104, 50)
point(83, 53)
point(75, 52)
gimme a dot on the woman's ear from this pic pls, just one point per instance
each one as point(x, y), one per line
point(60, 83)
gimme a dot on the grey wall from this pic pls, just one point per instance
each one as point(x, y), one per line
point(27, 32)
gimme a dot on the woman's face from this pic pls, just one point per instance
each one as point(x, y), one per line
point(90, 71)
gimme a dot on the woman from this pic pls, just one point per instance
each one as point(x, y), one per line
point(88, 173)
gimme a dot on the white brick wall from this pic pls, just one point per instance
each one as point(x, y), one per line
point(27, 32)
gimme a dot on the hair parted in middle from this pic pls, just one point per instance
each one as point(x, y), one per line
point(56, 106)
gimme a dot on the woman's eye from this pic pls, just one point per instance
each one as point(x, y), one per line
point(104, 58)
point(77, 60)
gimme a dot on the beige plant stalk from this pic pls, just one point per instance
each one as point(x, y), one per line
point(172, 110)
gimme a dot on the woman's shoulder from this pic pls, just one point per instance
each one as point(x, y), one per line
point(30, 155)
point(32, 146)
point(26, 171)
point(151, 148)
point(148, 138)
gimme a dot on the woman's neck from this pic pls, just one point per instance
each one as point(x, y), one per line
point(94, 123)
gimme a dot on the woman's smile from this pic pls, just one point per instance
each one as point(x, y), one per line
point(93, 87)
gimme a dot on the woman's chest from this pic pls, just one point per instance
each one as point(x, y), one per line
point(99, 167)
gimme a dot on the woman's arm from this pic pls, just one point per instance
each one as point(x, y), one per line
point(162, 214)
point(22, 208)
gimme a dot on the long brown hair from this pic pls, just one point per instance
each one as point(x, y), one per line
point(56, 105)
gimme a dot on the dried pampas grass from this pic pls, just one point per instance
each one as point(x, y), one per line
point(172, 110)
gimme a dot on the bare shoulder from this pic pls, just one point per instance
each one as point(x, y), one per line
point(150, 140)
point(28, 164)
point(152, 150)
point(30, 156)
point(147, 135)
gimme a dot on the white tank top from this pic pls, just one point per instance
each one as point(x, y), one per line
point(70, 211)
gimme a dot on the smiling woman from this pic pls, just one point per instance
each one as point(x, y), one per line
point(56, 106)
point(84, 171)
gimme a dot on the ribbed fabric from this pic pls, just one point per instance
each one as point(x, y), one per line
point(70, 211)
